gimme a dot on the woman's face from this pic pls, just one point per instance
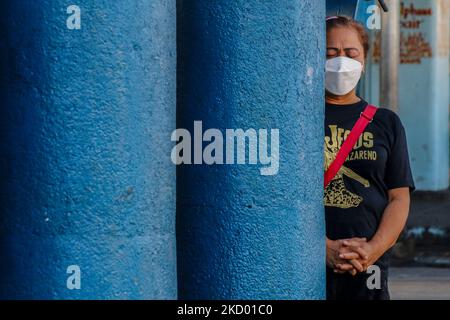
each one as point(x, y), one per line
point(343, 41)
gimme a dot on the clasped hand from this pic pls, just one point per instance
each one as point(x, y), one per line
point(351, 255)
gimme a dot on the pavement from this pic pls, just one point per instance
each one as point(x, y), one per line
point(419, 283)
point(420, 268)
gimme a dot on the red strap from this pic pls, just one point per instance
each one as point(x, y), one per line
point(364, 119)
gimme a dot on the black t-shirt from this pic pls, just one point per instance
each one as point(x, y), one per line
point(357, 196)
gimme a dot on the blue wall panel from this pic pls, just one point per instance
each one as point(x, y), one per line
point(423, 89)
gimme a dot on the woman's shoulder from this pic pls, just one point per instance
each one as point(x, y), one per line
point(388, 115)
point(388, 119)
point(386, 112)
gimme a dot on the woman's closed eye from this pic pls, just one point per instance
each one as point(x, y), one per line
point(349, 52)
point(332, 52)
point(352, 53)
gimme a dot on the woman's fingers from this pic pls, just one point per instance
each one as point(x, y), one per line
point(362, 253)
point(356, 239)
point(357, 265)
point(348, 268)
point(344, 266)
point(359, 239)
point(356, 253)
point(339, 271)
point(355, 246)
point(349, 255)
point(351, 243)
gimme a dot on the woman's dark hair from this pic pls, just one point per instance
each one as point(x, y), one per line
point(346, 22)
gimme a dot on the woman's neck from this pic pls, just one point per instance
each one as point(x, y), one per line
point(349, 98)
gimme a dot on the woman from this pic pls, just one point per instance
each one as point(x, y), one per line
point(367, 202)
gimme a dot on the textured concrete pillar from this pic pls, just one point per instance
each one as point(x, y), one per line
point(85, 122)
point(252, 64)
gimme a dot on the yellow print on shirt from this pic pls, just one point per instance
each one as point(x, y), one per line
point(336, 194)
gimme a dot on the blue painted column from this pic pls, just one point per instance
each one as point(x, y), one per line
point(85, 171)
point(242, 65)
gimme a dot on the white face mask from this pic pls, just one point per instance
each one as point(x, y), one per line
point(342, 75)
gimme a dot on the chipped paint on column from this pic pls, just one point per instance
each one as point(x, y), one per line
point(86, 177)
point(252, 64)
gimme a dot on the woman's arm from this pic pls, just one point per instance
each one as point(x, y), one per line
point(393, 220)
point(392, 223)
